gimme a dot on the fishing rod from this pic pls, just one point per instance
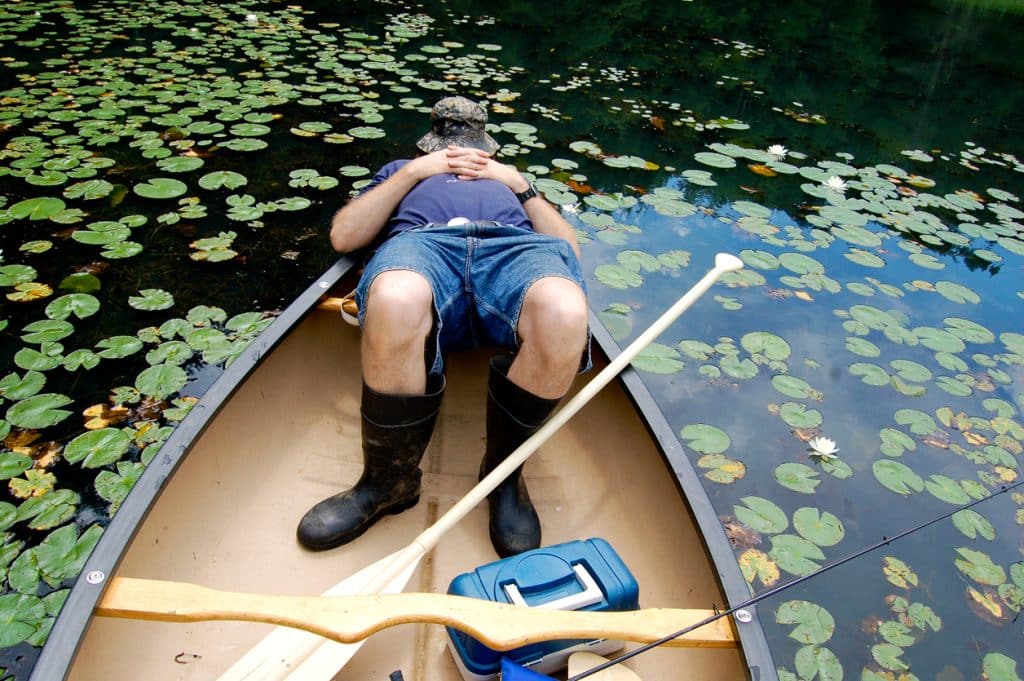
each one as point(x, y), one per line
point(791, 583)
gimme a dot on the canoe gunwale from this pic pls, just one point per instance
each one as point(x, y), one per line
point(753, 643)
point(58, 654)
point(68, 632)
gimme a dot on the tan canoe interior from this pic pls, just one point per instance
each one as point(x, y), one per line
point(290, 437)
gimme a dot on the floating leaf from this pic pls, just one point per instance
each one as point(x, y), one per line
point(979, 567)
point(80, 305)
point(41, 208)
point(161, 381)
point(228, 179)
point(895, 442)
point(160, 188)
point(21, 615)
point(795, 387)
point(617, 276)
point(768, 344)
point(705, 438)
point(887, 655)
point(822, 528)
point(63, 553)
point(39, 411)
point(795, 554)
point(1000, 667)
point(98, 448)
point(972, 524)
point(755, 564)
point(946, 489)
point(897, 477)
point(761, 515)
point(721, 468)
point(114, 487)
point(117, 347)
point(814, 623)
point(898, 573)
point(658, 359)
point(797, 477)
point(797, 415)
point(152, 299)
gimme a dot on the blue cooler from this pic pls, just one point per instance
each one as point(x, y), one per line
point(577, 575)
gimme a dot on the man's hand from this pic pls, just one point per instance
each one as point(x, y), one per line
point(464, 162)
point(473, 164)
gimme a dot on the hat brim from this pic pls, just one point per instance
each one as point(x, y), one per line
point(432, 142)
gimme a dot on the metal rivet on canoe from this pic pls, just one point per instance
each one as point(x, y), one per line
point(95, 577)
point(744, 616)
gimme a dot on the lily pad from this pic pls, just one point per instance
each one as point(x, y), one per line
point(98, 448)
point(797, 477)
point(160, 188)
point(705, 438)
point(161, 381)
point(897, 477)
point(761, 515)
point(658, 359)
point(822, 528)
point(39, 411)
point(814, 624)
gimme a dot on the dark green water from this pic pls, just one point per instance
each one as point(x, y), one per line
point(883, 316)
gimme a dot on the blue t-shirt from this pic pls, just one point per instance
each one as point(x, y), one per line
point(440, 198)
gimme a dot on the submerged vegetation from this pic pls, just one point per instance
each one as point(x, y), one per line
point(166, 172)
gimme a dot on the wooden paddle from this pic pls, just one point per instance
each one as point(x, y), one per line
point(285, 652)
point(349, 619)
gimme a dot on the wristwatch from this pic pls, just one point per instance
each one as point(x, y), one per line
point(525, 196)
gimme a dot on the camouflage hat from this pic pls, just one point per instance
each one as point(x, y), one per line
point(459, 122)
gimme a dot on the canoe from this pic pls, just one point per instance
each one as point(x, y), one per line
point(280, 430)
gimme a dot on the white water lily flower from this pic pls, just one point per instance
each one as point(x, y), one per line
point(251, 18)
point(823, 447)
point(778, 150)
point(836, 184)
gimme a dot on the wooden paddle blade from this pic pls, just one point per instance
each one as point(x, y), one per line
point(582, 661)
point(350, 619)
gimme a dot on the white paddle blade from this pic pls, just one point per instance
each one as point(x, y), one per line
point(330, 657)
point(581, 662)
point(284, 648)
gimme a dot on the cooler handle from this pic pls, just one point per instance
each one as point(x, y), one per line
point(590, 595)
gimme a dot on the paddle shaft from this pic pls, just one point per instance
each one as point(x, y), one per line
point(285, 654)
point(348, 619)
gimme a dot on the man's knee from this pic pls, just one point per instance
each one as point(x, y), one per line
point(400, 301)
point(555, 311)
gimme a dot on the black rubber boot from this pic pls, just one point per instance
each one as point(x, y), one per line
point(513, 415)
point(396, 430)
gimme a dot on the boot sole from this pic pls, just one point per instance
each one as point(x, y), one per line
point(346, 537)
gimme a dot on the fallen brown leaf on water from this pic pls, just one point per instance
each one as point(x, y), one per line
point(100, 416)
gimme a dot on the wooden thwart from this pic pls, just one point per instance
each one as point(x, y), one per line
point(348, 619)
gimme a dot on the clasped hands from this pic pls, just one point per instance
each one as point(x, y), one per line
point(467, 163)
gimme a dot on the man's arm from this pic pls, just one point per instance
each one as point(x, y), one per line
point(545, 217)
point(359, 222)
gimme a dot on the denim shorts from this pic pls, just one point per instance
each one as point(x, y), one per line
point(479, 274)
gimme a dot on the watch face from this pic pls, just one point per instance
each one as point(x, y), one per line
point(530, 192)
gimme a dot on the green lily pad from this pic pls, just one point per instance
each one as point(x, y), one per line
point(721, 469)
point(973, 525)
point(114, 487)
point(161, 381)
point(714, 160)
point(1000, 667)
point(887, 655)
point(797, 477)
point(15, 387)
point(862, 347)
point(761, 515)
point(47, 330)
point(21, 615)
point(979, 566)
point(152, 299)
point(658, 359)
point(768, 344)
point(97, 448)
point(117, 347)
point(617, 276)
point(39, 411)
point(180, 164)
point(822, 528)
point(958, 293)
point(815, 625)
point(897, 477)
point(80, 305)
point(947, 489)
point(795, 387)
point(160, 188)
point(41, 208)
point(795, 554)
point(228, 179)
point(797, 415)
point(895, 442)
point(705, 438)
point(919, 422)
